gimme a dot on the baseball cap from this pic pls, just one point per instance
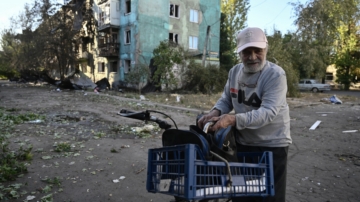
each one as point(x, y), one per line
point(250, 37)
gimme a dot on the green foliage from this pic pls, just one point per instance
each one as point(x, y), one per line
point(12, 162)
point(53, 181)
point(139, 75)
point(169, 59)
point(10, 192)
point(227, 55)
point(207, 80)
point(279, 54)
point(327, 32)
point(233, 19)
point(63, 147)
point(46, 26)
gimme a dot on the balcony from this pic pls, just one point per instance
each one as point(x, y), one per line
point(109, 50)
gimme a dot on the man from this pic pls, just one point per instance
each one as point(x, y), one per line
point(256, 91)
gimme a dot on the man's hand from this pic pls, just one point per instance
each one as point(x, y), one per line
point(222, 122)
point(206, 118)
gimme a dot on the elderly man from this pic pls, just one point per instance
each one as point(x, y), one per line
point(256, 91)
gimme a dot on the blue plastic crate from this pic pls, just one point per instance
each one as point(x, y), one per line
point(182, 171)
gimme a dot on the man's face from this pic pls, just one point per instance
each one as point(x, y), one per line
point(253, 59)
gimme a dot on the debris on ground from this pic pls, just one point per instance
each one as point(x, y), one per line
point(335, 100)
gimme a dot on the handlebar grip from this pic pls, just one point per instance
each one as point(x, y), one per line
point(135, 115)
point(144, 116)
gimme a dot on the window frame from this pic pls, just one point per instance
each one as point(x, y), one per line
point(191, 42)
point(114, 66)
point(192, 17)
point(174, 38)
point(127, 66)
point(127, 38)
point(127, 7)
point(102, 66)
point(176, 12)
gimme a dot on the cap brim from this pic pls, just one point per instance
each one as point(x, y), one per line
point(252, 44)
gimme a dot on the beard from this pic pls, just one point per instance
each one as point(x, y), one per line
point(251, 68)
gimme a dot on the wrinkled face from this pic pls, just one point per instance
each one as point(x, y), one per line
point(253, 59)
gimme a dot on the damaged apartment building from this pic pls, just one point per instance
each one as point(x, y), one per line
point(129, 30)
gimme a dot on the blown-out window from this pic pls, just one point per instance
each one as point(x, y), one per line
point(127, 37)
point(127, 66)
point(173, 37)
point(127, 6)
point(174, 10)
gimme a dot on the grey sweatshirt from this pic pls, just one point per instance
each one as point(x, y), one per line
point(262, 113)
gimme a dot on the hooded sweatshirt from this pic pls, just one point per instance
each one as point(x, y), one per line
point(259, 102)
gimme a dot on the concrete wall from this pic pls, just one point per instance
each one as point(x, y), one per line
point(150, 23)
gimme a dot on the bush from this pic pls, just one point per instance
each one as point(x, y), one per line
point(207, 80)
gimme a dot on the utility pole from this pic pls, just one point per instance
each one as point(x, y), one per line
point(205, 45)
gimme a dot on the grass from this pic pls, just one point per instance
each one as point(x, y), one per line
point(13, 162)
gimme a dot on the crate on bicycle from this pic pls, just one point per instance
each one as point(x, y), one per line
point(183, 172)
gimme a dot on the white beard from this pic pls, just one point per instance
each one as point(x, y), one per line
point(256, 68)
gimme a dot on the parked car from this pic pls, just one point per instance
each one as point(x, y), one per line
point(313, 85)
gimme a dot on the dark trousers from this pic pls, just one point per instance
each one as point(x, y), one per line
point(280, 168)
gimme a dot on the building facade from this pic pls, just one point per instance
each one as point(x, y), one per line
point(129, 31)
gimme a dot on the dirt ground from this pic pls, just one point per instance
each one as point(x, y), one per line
point(324, 164)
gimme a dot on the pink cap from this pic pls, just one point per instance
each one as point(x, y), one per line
point(250, 37)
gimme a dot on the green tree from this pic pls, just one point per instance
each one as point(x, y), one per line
point(51, 35)
point(327, 32)
point(8, 54)
point(170, 59)
point(208, 80)
point(279, 54)
point(138, 76)
point(233, 19)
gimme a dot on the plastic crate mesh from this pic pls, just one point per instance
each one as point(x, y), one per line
point(182, 171)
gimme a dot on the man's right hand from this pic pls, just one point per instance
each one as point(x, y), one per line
point(206, 118)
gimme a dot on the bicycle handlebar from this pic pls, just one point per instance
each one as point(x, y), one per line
point(144, 116)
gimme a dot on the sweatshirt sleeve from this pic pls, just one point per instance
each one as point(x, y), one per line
point(273, 95)
point(224, 104)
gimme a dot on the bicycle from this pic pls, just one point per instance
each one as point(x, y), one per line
point(191, 168)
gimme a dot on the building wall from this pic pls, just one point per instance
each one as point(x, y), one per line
point(150, 23)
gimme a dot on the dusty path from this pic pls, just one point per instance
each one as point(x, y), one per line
point(324, 164)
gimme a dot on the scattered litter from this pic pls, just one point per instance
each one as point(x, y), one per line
point(142, 97)
point(313, 127)
point(177, 98)
point(85, 93)
point(58, 90)
point(122, 177)
point(325, 99)
point(335, 100)
point(116, 181)
point(125, 146)
point(146, 128)
point(35, 121)
point(72, 163)
point(324, 112)
point(29, 198)
point(350, 131)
